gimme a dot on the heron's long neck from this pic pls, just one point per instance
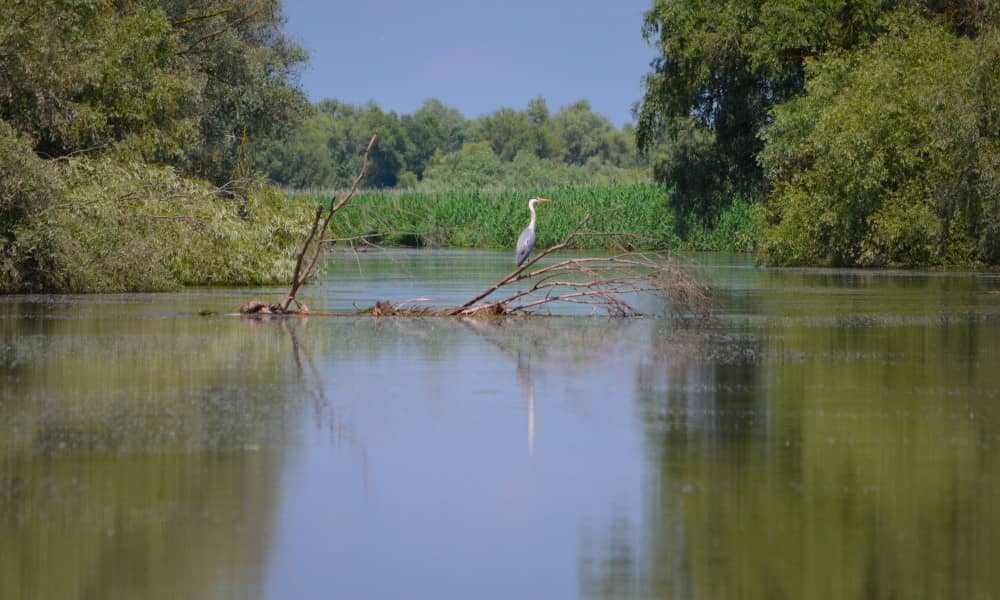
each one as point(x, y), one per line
point(531, 225)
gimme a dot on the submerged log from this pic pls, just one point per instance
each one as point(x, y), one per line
point(257, 307)
point(384, 308)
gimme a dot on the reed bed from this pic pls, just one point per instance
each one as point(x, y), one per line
point(627, 216)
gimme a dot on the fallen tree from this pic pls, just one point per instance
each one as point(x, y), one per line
point(599, 282)
point(609, 284)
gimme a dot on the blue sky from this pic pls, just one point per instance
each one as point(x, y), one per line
point(476, 56)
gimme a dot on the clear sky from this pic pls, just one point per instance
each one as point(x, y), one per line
point(474, 55)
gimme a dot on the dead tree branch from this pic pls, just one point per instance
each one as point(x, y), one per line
point(602, 282)
point(517, 274)
point(299, 276)
point(608, 283)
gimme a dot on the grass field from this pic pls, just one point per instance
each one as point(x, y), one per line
point(633, 216)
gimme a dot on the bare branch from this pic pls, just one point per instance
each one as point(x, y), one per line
point(516, 275)
point(608, 283)
point(296, 278)
point(340, 204)
point(300, 276)
point(597, 281)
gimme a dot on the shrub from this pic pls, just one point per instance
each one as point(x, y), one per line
point(127, 226)
point(29, 191)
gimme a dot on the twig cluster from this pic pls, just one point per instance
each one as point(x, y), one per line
point(602, 283)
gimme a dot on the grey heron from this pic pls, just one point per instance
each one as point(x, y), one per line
point(526, 241)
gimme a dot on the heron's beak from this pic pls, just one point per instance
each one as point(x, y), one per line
point(544, 200)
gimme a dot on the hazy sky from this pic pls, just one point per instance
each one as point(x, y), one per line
point(476, 56)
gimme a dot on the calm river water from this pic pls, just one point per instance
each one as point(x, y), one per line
point(827, 434)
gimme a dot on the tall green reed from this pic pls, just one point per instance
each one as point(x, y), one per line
point(632, 216)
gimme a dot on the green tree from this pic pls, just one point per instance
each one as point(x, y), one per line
point(353, 127)
point(508, 132)
point(433, 127)
point(82, 75)
point(246, 68)
point(720, 69)
point(438, 144)
point(545, 143)
point(584, 133)
point(107, 110)
point(184, 82)
point(893, 155)
point(475, 165)
point(29, 189)
point(302, 158)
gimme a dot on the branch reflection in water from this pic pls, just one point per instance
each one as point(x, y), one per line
point(325, 413)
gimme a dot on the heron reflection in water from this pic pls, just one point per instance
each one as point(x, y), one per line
point(526, 389)
point(525, 385)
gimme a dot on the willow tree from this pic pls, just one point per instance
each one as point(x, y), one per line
point(180, 82)
point(892, 157)
point(113, 115)
point(721, 67)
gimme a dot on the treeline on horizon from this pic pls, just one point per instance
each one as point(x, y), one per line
point(438, 148)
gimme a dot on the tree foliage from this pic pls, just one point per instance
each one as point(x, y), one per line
point(113, 115)
point(721, 67)
point(870, 124)
point(119, 222)
point(436, 147)
point(246, 68)
point(29, 188)
point(892, 156)
point(433, 128)
point(110, 225)
point(180, 82)
point(476, 166)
